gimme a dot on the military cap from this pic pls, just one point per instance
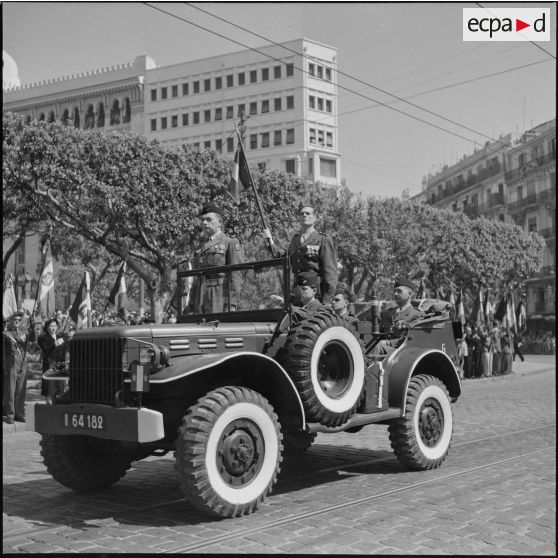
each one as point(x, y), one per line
point(17, 314)
point(308, 278)
point(403, 282)
point(210, 208)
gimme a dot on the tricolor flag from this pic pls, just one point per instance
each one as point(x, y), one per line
point(440, 293)
point(500, 312)
point(488, 311)
point(9, 303)
point(241, 177)
point(460, 308)
point(452, 298)
point(46, 283)
point(477, 318)
point(118, 296)
point(81, 308)
point(510, 314)
point(521, 316)
point(421, 293)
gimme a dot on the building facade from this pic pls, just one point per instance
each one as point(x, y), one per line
point(513, 181)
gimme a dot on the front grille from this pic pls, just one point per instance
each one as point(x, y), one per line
point(96, 369)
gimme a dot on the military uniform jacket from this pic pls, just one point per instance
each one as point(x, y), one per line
point(317, 253)
point(392, 314)
point(13, 350)
point(313, 305)
point(211, 292)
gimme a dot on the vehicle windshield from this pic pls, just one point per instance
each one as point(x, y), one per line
point(248, 287)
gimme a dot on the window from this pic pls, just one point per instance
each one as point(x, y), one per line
point(153, 124)
point(265, 74)
point(230, 145)
point(230, 111)
point(207, 116)
point(241, 109)
point(290, 69)
point(290, 166)
point(197, 145)
point(185, 119)
point(100, 116)
point(196, 117)
point(207, 145)
point(312, 135)
point(311, 166)
point(312, 102)
point(532, 224)
point(42, 116)
point(196, 86)
point(290, 102)
point(320, 103)
point(262, 167)
point(328, 106)
point(265, 139)
point(241, 78)
point(320, 137)
point(328, 167)
point(174, 121)
point(290, 135)
point(164, 123)
point(265, 106)
point(253, 141)
point(277, 103)
point(163, 92)
point(207, 85)
point(218, 114)
point(219, 145)
point(253, 108)
point(312, 69)
point(175, 90)
point(276, 72)
point(329, 139)
point(320, 71)
point(185, 88)
point(154, 94)
point(328, 74)
point(218, 82)
point(230, 80)
point(253, 76)
point(277, 137)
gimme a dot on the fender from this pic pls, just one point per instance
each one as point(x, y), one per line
point(410, 361)
point(283, 394)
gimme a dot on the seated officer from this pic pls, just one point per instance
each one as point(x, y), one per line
point(308, 283)
point(398, 315)
point(341, 301)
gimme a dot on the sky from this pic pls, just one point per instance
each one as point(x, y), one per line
point(414, 50)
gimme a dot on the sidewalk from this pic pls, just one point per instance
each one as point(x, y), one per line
point(532, 365)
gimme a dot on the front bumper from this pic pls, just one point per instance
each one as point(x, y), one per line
point(127, 424)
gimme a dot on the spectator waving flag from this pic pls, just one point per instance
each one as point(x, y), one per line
point(118, 296)
point(46, 283)
point(81, 308)
point(9, 303)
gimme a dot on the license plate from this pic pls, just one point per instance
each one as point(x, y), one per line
point(84, 421)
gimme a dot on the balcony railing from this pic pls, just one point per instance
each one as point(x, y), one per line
point(549, 232)
point(495, 199)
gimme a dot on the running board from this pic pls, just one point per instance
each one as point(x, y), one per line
point(356, 420)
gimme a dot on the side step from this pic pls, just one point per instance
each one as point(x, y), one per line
point(358, 419)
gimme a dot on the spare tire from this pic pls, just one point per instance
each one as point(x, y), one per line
point(325, 360)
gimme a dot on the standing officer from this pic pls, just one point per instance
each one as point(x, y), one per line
point(398, 316)
point(311, 250)
point(213, 292)
point(14, 370)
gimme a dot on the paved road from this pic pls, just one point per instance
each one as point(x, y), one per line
point(494, 495)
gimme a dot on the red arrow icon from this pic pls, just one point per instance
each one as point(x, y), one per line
point(519, 25)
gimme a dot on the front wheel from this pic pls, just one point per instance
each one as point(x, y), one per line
point(422, 438)
point(228, 452)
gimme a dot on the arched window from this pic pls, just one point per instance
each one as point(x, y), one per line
point(126, 111)
point(76, 117)
point(65, 117)
point(100, 115)
point(90, 117)
point(28, 119)
point(51, 116)
point(42, 116)
point(115, 113)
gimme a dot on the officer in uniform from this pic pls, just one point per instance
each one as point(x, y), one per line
point(341, 301)
point(308, 282)
point(215, 292)
point(398, 315)
point(311, 250)
point(14, 370)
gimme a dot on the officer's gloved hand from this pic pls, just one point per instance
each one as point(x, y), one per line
point(267, 234)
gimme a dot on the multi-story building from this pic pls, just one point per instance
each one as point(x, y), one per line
point(514, 182)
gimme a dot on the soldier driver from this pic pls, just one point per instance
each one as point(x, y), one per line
point(311, 250)
point(212, 292)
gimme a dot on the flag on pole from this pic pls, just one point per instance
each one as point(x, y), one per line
point(421, 293)
point(460, 308)
point(118, 296)
point(241, 177)
point(477, 318)
point(46, 283)
point(81, 308)
point(452, 297)
point(510, 314)
point(9, 303)
point(440, 293)
point(488, 310)
point(501, 309)
point(521, 316)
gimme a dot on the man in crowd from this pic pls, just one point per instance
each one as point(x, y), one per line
point(215, 292)
point(311, 250)
point(14, 370)
point(496, 348)
point(308, 282)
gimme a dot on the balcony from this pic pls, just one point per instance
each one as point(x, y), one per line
point(545, 159)
point(495, 199)
point(549, 232)
point(471, 211)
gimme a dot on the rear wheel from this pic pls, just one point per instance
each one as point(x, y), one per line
point(422, 438)
point(228, 452)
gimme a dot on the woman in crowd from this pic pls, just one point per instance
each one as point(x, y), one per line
point(53, 350)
